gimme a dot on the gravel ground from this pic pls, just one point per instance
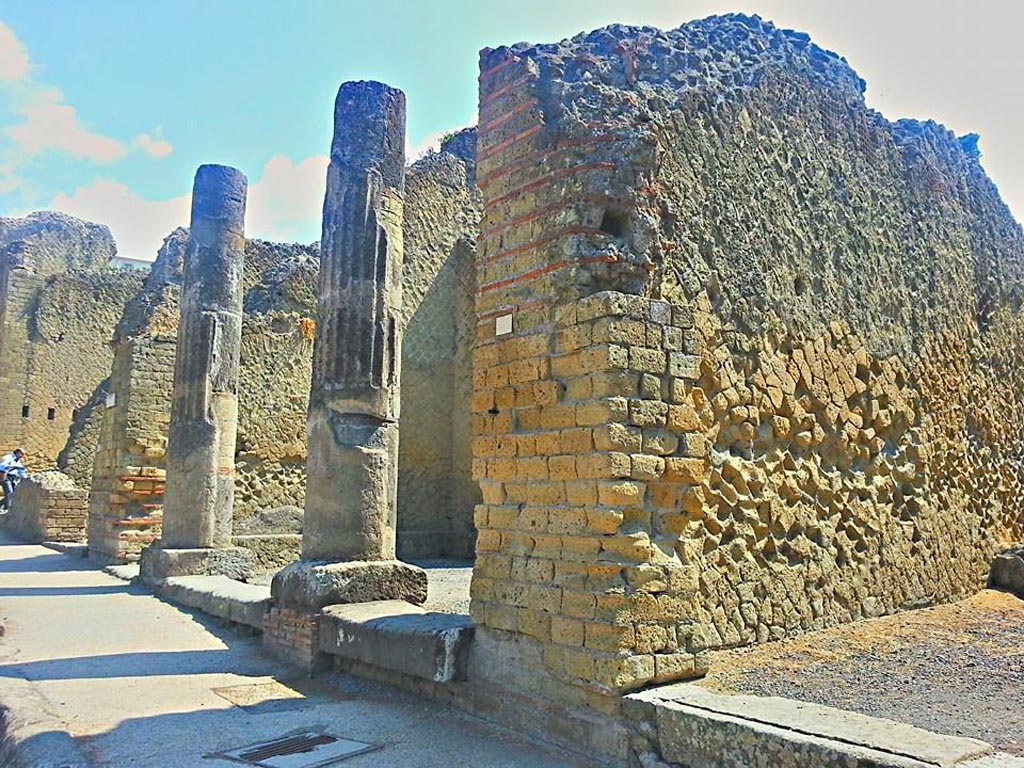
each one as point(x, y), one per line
point(956, 669)
point(447, 585)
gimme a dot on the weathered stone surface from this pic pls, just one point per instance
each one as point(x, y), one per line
point(158, 563)
point(77, 310)
point(272, 550)
point(1008, 572)
point(704, 730)
point(219, 596)
point(59, 242)
point(200, 487)
point(394, 635)
point(352, 465)
point(310, 585)
point(274, 369)
point(436, 491)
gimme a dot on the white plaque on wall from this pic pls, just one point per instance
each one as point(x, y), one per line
point(503, 325)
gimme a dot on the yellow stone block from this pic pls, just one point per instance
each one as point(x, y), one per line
point(604, 520)
point(608, 638)
point(566, 631)
point(620, 493)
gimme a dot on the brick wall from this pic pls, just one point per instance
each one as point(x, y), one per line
point(60, 304)
point(295, 637)
point(19, 288)
point(48, 507)
point(559, 585)
point(128, 476)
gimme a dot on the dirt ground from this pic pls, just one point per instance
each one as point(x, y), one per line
point(955, 669)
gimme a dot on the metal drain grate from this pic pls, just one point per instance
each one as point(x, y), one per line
point(298, 750)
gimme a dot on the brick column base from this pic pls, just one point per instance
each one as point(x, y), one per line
point(295, 637)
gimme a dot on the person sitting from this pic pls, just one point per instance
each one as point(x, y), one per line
point(12, 469)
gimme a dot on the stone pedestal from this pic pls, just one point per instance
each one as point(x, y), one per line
point(311, 585)
point(234, 562)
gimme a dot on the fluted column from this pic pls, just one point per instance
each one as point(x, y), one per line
point(348, 534)
point(354, 403)
point(200, 485)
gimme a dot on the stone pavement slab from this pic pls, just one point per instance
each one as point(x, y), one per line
point(135, 680)
point(689, 716)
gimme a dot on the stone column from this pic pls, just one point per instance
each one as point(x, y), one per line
point(199, 496)
point(354, 403)
point(351, 471)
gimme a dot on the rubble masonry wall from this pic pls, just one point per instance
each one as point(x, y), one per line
point(761, 377)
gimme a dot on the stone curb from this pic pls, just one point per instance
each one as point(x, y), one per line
point(32, 736)
point(73, 549)
point(700, 728)
point(127, 572)
point(216, 596)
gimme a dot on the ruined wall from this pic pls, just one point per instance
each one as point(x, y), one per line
point(276, 362)
point(128, 470)
point(59, 303)
point(761, 377)
point(78, 455)
point(49, 506)
point(275, 359)
point(436, 492)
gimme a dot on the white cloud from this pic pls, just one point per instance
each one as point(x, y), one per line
point(14, 63)
point(154, 147)
point(51, 125)
point(8, 181)
point(139, 225)
point(286, 203)
point(283, 205)
point(429, 142)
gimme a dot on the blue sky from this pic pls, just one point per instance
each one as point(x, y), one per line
point(108, 106)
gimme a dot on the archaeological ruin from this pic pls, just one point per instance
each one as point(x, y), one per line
point(112, 333)
point(686, 346)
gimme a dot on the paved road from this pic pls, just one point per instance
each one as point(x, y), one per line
point(133, 678)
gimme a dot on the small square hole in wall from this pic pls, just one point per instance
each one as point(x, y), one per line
point(24, 411)
point(51, 414)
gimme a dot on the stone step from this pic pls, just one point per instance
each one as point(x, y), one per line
point(73, 548)
point(218, 596)
point(698, 727)
point(400, 637)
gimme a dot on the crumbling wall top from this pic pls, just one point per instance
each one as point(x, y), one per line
point(55, 242)
point(718, 53)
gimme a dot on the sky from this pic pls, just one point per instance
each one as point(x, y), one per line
point(108, 106)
